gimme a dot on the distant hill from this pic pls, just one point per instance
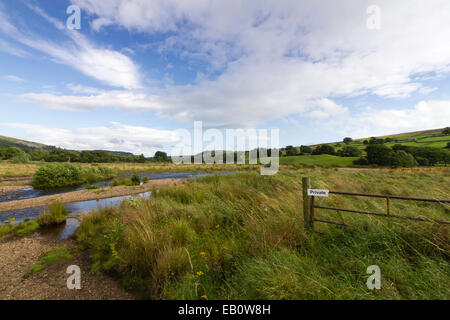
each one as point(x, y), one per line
point(402, 137)
point(6, 142)
point(424, 138)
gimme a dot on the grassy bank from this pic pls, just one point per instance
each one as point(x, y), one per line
point(241, 237)
point(9, 170)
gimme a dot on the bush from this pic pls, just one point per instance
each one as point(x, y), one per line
point(379, 154)
point(348, 140)
point(423, 161)
point(446, 131)
point(350, 151)
point(57, 176)
point(21, 158)
point(324, 149)
point(136, 179)
point(361, 161)
point(403, 159)
point(306, 149)
point(65, 175)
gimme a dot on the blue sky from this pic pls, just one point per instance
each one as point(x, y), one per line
point(137, 71)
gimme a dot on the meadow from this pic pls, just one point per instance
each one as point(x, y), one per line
point(242, 237)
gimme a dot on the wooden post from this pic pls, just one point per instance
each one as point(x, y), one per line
point(306, 182)
point(311, 214)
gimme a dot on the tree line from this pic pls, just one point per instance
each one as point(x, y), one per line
point(62, 155)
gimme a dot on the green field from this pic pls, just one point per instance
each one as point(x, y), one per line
point(323, 160)
point(242, 237)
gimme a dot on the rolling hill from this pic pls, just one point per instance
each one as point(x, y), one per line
point(6, 142)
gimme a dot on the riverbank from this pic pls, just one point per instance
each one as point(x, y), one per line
point(10, 170)
point(85, 195)
point(18, 256)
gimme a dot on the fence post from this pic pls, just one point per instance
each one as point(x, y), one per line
point(306, 182)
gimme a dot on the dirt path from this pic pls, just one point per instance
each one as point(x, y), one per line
point(17, 257)
point(85, 195)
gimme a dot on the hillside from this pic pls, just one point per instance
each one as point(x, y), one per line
point(425, 138)
point(6, 142)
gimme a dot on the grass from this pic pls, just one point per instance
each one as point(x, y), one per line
point(56, 214)
point(49, 258)
point(11, 170)
point(242, 237)
point(18, 230)
point(323, 160)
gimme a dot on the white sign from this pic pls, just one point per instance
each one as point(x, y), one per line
point(318, 193)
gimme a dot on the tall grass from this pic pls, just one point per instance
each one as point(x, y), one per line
point(241, 237)
point(56, 214)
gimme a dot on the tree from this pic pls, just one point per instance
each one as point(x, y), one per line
point(402, 159)
point(306, 149)
point(291, 152)
point(366, 142)
point(379, 154)
point(324, 149)
point(448, 146)
point(374, 140)
point(350, 151)
point(446, 131)
point(11, 152)
point(348, 140)
point(161, 156)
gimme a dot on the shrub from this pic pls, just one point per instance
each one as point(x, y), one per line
point(350, 151)
point(57, 176)
point(379, 154)
point(21, 158)
point(64, 175)
point(423, 161)
point(446, 131)
point(361, 161)
point(402, 159)
point(348, 140)
point(305, 149)
point(136, 179)
point(324, 149)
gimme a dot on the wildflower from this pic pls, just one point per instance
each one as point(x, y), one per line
point(217, 227)
point(203, 253)
point(199, 273)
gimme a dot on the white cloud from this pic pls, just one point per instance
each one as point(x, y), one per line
point(115, 137)
point(106, 65)
point(280, 58)
point(424, 115)
point(9, 48)
point(13, 78)
point(126, 100)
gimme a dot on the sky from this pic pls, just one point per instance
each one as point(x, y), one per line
point(136, 71)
